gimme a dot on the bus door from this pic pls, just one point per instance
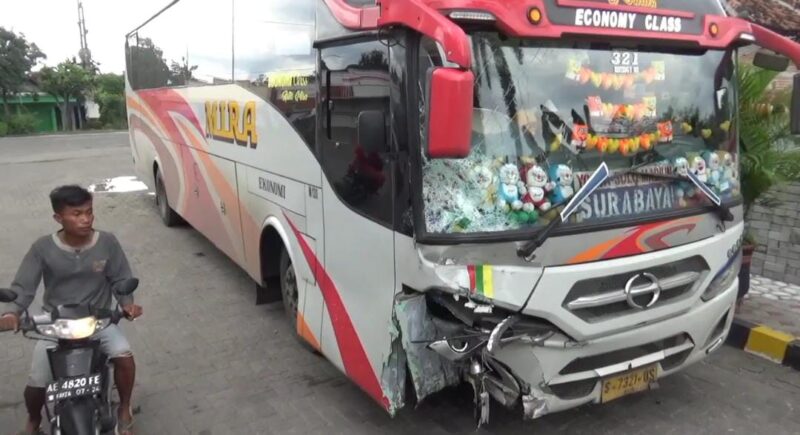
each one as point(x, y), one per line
point(358, 208)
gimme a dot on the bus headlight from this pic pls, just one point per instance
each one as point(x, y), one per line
point(724, 278)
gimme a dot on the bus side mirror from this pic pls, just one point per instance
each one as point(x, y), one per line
point(768, 60)
point(449, 129)
point(372, 131)
point(795, 110)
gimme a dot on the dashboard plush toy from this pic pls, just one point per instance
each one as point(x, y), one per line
point(536, 189)
point(561, 175)
point(508, 195)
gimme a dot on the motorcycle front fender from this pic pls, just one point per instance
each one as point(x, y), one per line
point(70, 360)
point(77, 416)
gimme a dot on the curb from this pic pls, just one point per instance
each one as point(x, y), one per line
point(766, 342)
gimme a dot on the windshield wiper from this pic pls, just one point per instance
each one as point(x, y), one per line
point(598, 178)
point(723, 211)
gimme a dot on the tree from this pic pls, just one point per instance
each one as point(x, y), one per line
point(181, 72)
point(17, 57)
point(762, 128)
point(148, 69)
point(374, 59)
point(66, 81)
point(110, 96)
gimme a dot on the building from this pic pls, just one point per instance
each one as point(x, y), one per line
point(44, 107)
point(782, 16)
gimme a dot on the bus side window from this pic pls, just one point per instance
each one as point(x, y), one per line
point(356, 79)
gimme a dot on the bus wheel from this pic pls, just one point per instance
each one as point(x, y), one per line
point(289, 291)
point(168, 215)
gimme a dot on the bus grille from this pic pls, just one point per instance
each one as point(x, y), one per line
point(598, 299)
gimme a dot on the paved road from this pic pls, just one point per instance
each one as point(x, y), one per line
point(210, 362)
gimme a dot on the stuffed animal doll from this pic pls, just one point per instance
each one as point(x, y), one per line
point(508, 191)
point(715, 175)
point(486, 182)
point(699, 168)
point(563, 190)
point(537, 187)
point(665, 131)
point(729, 171)
point(685, 188)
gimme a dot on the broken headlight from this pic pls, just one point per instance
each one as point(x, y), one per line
point(724, 278)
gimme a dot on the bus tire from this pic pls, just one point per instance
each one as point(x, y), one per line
point(167, 214)
point(289, 291)
point(290, 296)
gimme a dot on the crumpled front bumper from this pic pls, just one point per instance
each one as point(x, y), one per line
point(703, 328)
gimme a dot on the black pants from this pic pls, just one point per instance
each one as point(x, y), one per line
point(744, 280)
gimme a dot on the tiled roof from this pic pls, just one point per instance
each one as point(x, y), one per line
point(780, 15)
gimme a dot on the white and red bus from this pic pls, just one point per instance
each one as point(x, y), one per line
point(538, 197)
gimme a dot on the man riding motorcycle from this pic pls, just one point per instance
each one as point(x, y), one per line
point(79, 265)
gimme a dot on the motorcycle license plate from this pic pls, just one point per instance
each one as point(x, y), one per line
point(69, 388)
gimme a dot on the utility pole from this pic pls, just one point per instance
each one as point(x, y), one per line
point(87, 63)
point(85, 54)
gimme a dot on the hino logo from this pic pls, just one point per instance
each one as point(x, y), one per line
point(651, 285)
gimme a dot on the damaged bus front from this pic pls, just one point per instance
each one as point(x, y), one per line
point(582, 239)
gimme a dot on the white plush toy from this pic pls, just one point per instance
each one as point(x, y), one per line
point(536, 189)
point(508, 190)
point(698, 168)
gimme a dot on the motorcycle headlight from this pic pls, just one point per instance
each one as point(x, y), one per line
point(71, 329)
point(724, 278)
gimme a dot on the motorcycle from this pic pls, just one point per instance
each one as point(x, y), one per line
point(79, 398)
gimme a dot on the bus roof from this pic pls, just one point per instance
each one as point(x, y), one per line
point(702, 23)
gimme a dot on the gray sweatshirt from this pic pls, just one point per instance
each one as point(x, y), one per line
point(72, 276)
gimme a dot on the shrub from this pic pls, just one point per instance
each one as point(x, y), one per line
point(93, 124)
point(22, 123)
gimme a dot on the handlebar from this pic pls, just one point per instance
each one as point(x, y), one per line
point(30, 323)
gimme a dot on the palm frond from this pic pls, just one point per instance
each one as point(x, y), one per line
point(764, 164)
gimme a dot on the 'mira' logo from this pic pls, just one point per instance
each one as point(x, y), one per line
point(226, 121)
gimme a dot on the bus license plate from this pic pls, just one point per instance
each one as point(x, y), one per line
point(628, 383)
point(69, 388)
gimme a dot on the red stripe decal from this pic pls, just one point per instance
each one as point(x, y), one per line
point(472, 282)
point(356, 363)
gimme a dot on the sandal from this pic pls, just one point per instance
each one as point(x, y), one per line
point(125, 428)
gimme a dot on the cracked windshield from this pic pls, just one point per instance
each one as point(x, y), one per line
point(545, 117)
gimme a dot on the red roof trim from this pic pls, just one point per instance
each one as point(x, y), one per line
point(424, 17)
point(352, 17)
point(419, 16)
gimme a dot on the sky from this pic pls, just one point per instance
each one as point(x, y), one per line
point(53, 26)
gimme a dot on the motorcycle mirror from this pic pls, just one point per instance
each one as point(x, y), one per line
point(127, 287)
point(7, 295)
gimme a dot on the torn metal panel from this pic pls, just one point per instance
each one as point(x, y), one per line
point(429, 372)
point(393, 373)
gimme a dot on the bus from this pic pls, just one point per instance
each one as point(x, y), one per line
point(539, 198)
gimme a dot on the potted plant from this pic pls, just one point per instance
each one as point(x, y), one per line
point(765, 159)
